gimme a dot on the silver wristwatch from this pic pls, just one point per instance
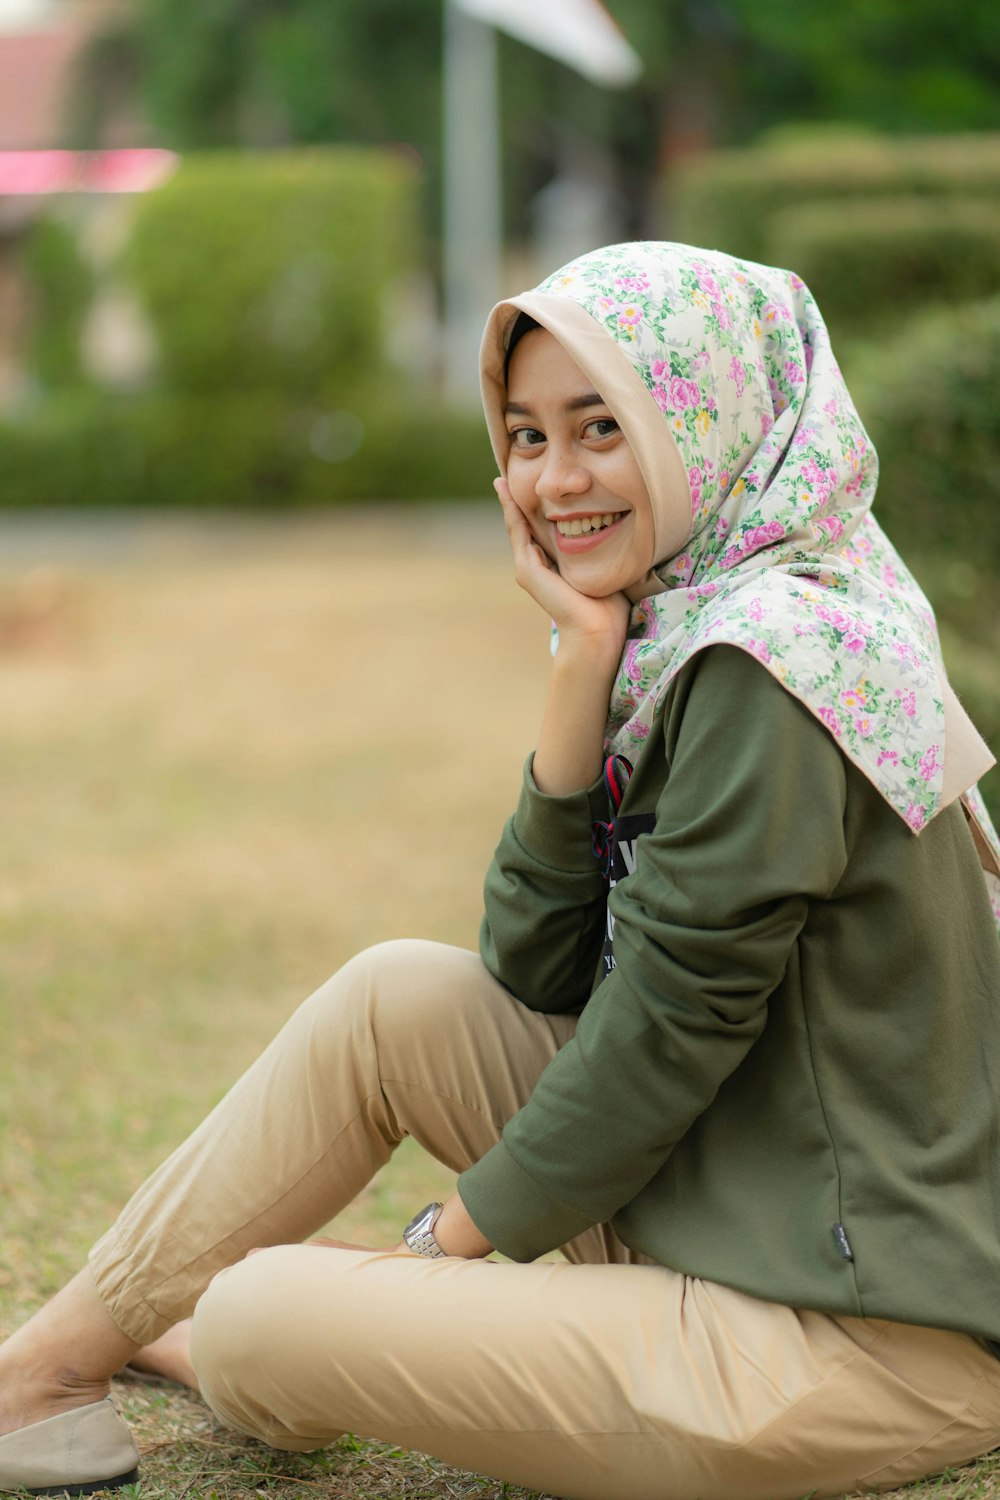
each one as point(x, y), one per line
point(419, 1233)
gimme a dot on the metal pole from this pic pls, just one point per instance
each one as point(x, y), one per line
point(471, 196)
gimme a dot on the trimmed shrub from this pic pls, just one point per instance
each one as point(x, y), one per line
point(929, 400)
point(873, 262)
point(729, 200)
point(251, 450)
point(266, 271)
point(59, 287)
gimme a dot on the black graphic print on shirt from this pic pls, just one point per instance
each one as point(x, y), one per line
point(625, 835)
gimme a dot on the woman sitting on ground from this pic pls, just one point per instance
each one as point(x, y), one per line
point(731, 1037)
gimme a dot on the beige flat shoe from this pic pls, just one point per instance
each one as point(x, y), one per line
point(77, 1452)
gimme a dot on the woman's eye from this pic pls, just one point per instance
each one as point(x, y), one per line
point(602, 427)
point(526, 437)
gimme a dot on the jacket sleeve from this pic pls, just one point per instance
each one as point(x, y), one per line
point(544, 907)
point(749, 829)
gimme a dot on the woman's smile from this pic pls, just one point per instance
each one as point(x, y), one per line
point(583, 533)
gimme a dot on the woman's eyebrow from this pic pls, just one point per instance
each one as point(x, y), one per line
point(589, 398)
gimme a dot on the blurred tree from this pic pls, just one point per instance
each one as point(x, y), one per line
point(266, 72)
point(913, 67)
point(260, 73)
point(722, 71)
point(274, 72)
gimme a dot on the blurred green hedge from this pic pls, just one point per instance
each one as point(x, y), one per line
point(254, 449)
point(929, 399)
point(265, 277)
point(266, 270)
point(872, 263)
point(59, 287)
point(732, 199)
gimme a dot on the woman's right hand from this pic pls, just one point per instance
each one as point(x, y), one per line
point(569, 750)
point(596, 626)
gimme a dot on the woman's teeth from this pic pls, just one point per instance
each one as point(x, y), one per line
point(583, 524)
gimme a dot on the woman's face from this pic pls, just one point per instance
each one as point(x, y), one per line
point(572, 473)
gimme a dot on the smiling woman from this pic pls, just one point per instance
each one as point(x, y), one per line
point(730, 1037)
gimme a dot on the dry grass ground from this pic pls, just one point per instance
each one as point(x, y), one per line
point(226, 766)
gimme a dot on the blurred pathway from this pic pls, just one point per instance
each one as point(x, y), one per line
point(61, 537)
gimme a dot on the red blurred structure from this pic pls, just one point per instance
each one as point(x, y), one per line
point(128, 170)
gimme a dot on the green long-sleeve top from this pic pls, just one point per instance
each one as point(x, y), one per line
point(789, 1081)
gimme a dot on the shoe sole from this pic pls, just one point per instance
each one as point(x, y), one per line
point(90, 1488)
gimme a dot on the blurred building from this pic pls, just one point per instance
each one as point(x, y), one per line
point(581, 206)
point(43, 46)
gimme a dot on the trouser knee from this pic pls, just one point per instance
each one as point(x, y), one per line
point(239, 1325)
point(394, 991)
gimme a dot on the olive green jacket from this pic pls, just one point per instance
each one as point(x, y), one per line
point(789, 1081)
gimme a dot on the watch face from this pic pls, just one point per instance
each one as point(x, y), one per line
point(421, 1220)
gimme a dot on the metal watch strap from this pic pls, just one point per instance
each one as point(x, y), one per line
point(419, 1233)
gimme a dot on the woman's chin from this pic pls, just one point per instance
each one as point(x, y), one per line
point(592, 588)
point(602, 584)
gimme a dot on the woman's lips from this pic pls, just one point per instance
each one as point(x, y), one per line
point(586, 541)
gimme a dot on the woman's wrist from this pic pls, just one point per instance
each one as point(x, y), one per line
point(595, 657)
point(570, 744)
point(455, 1233)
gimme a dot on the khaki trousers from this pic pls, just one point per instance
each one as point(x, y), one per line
point(605, 1377)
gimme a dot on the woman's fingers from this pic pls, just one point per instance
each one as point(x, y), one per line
point(534, 570)
point(340, 1244)
point(321, 1240)
point(529, 556)
point(513, 516)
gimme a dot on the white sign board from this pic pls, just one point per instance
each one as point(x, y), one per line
point(579, 33)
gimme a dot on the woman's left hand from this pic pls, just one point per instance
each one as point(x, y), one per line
point(346, 1245)
point(330, 1244)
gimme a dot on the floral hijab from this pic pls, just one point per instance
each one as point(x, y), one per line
point(761, 478)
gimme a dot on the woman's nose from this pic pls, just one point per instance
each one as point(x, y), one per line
point(561, 475)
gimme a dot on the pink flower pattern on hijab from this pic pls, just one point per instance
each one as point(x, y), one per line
point(783, 557)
